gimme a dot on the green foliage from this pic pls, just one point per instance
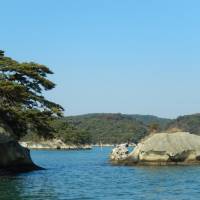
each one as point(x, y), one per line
point(103, 128)
point(1, 53)
point(115, 128)
point(189, 123)
point(109, 128)
point(150, 119)
point(22, 105)
point(70, 134)
point(154, 127)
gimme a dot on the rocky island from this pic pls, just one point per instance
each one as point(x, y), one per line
point(180, 148)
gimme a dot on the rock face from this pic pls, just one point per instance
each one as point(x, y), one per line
point(163, 149)
point(119, 153)
point(14, 157)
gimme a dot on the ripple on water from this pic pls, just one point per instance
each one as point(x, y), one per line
point(79, 175)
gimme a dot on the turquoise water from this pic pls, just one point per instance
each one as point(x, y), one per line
point(81, 175)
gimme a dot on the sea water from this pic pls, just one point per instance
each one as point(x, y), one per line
point(87, 174)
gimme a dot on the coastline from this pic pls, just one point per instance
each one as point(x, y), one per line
point(112, 145)
point(53, 145)
point(103, 145)
point(57, 144)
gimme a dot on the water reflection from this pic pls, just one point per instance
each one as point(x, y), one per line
point(26, 186)
point(9, 189)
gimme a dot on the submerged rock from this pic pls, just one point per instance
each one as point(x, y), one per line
point(14, 157)
point(163, 149)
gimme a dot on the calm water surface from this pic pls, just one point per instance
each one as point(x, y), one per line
point(79, 175)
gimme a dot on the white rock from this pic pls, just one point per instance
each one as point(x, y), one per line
point(120, 152)
point(165, 148)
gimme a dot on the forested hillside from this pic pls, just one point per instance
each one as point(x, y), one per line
point(189, 123)
point(104, 128)
point(115, 128)
point(151, 119)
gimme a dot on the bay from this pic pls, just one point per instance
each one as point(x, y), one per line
point(88, 175)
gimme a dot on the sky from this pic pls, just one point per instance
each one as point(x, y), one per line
point(111, 56)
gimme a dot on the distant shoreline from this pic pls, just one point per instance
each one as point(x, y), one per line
point(59, 145)
point(53, 145)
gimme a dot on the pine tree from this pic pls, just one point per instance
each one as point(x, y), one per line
point(22, 104)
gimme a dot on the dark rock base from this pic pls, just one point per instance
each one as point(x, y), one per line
point(14, 157)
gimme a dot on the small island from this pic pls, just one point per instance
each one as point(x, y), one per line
point(179, 148)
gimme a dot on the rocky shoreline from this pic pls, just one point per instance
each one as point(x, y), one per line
point(54, 144)
point(111, 145)
point(103, 145)
point(57, 144)
point(180, 148)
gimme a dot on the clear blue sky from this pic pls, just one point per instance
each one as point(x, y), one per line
point(131, 56)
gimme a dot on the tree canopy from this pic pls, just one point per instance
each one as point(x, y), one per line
point(22, 103)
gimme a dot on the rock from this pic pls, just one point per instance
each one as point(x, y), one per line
point(119, 153)
point(164, 149)
point(14, 157)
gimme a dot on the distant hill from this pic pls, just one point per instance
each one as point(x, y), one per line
point(151, 119)
point(115, 128)
point(190, 123)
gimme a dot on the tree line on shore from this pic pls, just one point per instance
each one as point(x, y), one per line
point(117, 128)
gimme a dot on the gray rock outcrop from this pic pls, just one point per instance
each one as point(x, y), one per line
point(14, 157)
point(163, 149)
point(120, 152)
